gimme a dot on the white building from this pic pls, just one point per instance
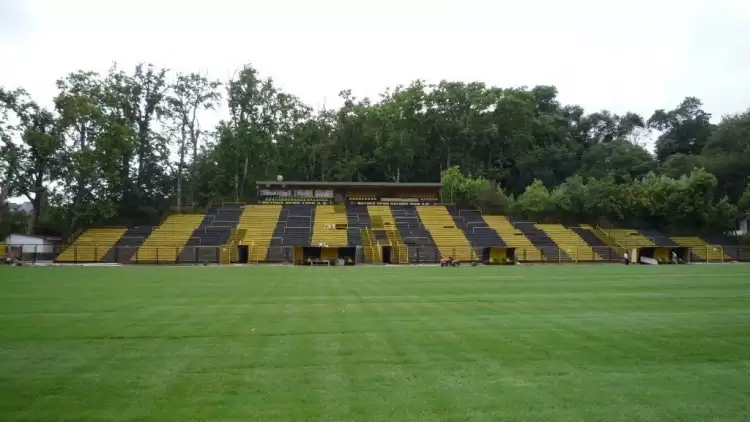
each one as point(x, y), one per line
point(33, 247)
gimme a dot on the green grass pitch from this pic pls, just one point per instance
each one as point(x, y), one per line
point(558, 343)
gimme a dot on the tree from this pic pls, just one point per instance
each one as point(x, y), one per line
point(247, 144)
point(685, 130)
point(535, 200)
point(191, 94)
point(619, 158)
point(744, 203)
point(570, 197)
point(727, 153)
point(31, 159)
point(133, 104)
point(678, 165)
point(120, 148)
point(606, 198)
point(84, 153)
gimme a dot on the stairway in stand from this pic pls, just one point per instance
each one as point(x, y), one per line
point(570, 242)
point(450, 240)
point(229, 250)
point(92, 245)
point(359, 233)
point(167, 241)
point(605, 250)
point(383, 223)
point(551, 251)
point(258, 223)
point(603, 237)
point(514, 238)
point(370, 247)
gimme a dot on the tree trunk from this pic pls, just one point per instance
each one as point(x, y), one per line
point(3, 198)
point(194, 173)
point(180, 167)
point(36, 211)
point(244, 177)
point(179, 188)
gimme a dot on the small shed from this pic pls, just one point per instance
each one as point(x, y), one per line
point(33, 247)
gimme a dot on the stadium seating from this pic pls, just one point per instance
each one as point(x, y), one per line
point(92, 245)
point(514, 238)
point(259, 223)
point(214, 231)
point(330, 226)
point(449, 240)
point(475, 229)
point(167, 241)
point(414, 233)
point(701, 250)
point(128, 244)
point(293, 228)
point(656, 237)
point(550, 250)
point(604, 249)
point(384, 224)
point(629, 238)
point(570, 242)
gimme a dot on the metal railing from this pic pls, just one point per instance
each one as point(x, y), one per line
point(417, 254)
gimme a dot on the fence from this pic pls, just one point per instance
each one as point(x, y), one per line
point(416, 254)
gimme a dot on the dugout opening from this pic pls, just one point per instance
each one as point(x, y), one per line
point(243, 254)
point(663, 254)
point(316, 255)
point(387, 251)
point(499, 255)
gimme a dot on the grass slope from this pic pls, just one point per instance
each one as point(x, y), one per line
point(534, 343)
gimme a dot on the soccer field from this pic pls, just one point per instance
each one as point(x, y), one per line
point(604, 342)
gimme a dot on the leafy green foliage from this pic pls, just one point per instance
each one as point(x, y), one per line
point(744, 203)
point(126, 147)
point(535, 200)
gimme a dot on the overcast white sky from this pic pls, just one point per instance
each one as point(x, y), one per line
point(634, 55)
point(620, 55)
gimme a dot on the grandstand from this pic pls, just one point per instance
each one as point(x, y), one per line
point(514, 238)
point(449, 240)
point(701, 250)
point(573, 245)
point(373, 223)
point(166, 241)
point(92, 245)
point(255, 229)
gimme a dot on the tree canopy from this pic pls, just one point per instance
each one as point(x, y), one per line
point(127, 146)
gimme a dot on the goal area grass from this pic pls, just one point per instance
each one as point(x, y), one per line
point(545, 342)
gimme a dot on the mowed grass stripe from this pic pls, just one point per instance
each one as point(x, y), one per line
point(551, 342)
